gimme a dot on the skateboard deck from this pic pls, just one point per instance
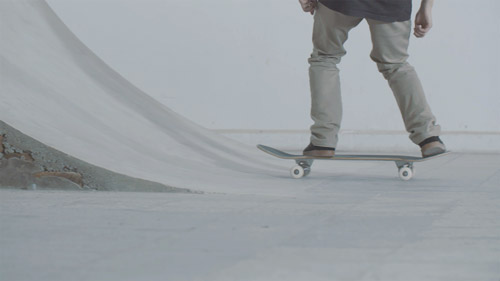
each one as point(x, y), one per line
point(304, 163)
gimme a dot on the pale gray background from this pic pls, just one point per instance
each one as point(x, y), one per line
point(242, 65)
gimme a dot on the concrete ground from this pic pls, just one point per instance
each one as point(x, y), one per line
point(360, 222)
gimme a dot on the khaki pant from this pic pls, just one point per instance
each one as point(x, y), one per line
point(390, 45)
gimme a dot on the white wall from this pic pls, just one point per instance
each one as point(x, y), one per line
point(232, 64)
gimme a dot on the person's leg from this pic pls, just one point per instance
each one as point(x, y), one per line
point(390, 45)
point(329, 34)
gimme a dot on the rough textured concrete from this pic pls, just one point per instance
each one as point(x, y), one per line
point(27, 163)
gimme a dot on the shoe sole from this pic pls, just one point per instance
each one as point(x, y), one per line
point(433, 152)
point(320, 153)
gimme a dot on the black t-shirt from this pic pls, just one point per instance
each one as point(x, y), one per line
point(381, 10)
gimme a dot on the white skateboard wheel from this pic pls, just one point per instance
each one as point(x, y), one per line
point(405, 173)
point(297, 172)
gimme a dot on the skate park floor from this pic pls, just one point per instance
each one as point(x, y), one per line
point(356, 222)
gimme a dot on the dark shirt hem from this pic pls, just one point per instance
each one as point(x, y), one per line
point(368, 15)
point(403, 16)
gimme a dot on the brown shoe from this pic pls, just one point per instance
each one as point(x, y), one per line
point(319, 151)
point(432, 146)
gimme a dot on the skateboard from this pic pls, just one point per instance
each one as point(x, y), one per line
point(304, 163)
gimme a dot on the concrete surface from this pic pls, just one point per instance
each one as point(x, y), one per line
point(356, 223)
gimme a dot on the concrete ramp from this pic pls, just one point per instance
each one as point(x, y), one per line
point(57, 91)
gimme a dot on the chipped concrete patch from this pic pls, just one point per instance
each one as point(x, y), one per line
point(71, 176)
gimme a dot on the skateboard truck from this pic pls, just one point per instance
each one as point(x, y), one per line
point(302, 169)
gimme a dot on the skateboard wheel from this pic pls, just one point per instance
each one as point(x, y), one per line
point(297, 172)
point(405, 173)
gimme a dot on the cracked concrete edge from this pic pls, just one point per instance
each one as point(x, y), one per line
point(47, 158)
